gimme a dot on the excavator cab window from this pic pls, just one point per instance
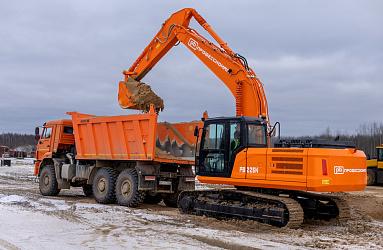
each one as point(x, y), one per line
point(256, 135)
point(212, 153)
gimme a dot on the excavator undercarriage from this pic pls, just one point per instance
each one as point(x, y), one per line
point(274, 207)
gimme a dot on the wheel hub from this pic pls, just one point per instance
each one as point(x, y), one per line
point(46, 180)
point(101, 185)
point(125, 188)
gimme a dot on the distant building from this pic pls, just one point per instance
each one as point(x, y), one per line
point(3, 150)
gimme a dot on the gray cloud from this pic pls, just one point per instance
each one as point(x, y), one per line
point(320, 61)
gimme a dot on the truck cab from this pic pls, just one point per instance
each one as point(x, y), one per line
point(54, 139)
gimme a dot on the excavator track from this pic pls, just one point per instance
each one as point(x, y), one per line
point(323, 206)
point(245, 205)
point(274, 207)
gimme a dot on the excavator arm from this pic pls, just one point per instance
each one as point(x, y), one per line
point(231, 68)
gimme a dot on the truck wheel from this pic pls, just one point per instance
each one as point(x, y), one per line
point(48, 182)
point(127, 192)
point(152, 198)
point(88, 190)
point(170, 200)
point(103, 185)
point(371, 177)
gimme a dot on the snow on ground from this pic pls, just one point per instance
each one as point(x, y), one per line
point(71, 220)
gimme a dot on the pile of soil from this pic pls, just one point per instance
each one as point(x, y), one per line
point(142, 95)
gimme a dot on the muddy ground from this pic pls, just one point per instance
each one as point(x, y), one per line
point(31, 221)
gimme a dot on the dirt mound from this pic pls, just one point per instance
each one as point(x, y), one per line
point(139, 95)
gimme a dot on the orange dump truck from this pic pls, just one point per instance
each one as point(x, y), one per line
point(129, 159)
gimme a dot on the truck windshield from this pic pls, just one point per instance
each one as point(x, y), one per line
point(256, 135)
point(47, 133)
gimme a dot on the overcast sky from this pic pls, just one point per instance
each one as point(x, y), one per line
point(321, 62)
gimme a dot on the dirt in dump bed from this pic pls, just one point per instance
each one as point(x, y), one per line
point(142, 96)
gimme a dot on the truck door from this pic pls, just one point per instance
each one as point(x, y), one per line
point(44, 145)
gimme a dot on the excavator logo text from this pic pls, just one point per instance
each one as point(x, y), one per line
point(342, 170)
point(194, 45)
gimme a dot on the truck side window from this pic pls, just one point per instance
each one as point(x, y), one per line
point(47, 133)
point(68, 130)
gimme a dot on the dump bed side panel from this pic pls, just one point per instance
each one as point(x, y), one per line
point(130, 137)
point(176, 141)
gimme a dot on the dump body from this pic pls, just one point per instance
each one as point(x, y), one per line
point(132, 138)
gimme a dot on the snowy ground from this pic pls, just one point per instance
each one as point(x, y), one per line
point(31, 221)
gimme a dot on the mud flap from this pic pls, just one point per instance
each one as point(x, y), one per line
point(186, 180)
point(147, 170)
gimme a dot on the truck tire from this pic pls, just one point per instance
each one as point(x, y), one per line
point(371, 177)
point(152, 198)
point(88, 190)
point(127, 192)
point(47, 182)
point(103, 185)
point(171, 200)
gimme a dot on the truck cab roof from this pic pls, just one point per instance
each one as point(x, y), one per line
point(59, 122)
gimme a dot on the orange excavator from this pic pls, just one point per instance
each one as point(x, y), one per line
point(279, 183)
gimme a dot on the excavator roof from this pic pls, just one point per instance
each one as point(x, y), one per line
point(240, 118)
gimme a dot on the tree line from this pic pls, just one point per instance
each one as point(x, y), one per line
point(14, 140)
point(366, 137)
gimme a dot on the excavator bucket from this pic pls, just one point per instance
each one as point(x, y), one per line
point(138, 95)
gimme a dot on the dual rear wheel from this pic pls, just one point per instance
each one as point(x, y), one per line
point(109, 186)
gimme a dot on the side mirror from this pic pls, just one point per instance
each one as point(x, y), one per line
point(37, 133)
point(196, 131)
point(273, 130)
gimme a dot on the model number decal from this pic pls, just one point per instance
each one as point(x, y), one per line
point(249, 170)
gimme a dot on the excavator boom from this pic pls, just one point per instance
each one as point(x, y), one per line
point(231, 68)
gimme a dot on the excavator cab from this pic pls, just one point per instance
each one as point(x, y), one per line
point(223, 138)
